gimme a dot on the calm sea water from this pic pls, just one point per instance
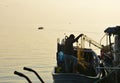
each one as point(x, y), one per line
point(30, 47)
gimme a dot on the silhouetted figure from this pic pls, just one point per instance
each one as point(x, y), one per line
point(71, 62)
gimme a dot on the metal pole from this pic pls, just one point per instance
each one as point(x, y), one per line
point(31, 70)
point(22, 75)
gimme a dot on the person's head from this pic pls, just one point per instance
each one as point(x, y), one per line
point(71, 36)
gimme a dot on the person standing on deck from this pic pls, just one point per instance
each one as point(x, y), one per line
point(70, 60)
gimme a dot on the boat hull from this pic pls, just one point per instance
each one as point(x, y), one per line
point(73, 78)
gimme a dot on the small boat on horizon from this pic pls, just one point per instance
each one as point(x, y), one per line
point(40, 28)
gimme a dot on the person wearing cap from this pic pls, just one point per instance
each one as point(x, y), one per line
point(69, 52)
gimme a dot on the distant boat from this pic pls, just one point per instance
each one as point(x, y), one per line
point(40, 27)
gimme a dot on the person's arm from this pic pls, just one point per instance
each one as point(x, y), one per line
point(76, 39)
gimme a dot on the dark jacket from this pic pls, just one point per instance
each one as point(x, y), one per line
point(68, 49)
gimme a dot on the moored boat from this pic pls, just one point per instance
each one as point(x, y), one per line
point(87, 71)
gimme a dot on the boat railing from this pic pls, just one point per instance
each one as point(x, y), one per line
point(112, 77)
point(26, 77)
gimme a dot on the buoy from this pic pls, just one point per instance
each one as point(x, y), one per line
point(40, 27)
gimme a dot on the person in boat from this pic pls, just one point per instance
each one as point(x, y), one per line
point(71, 61)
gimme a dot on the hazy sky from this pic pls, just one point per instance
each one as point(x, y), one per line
point(20, 18)
point(90, 15)
point(105, 12)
